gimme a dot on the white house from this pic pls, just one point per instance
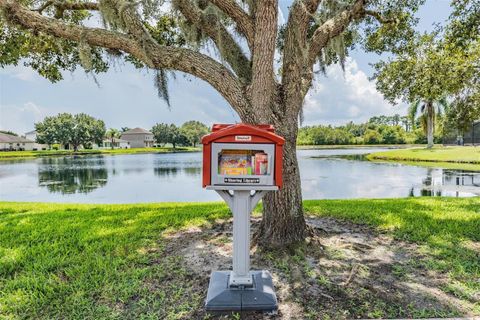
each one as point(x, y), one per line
point(117, 144)
point(32, 135)
point(11, 142)
point(138, 138)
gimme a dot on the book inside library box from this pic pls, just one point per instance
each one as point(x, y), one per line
point(243, 162)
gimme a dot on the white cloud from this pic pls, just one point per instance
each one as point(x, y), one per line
point(340, 97)
point(21, 118)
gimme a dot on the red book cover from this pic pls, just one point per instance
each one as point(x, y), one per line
point(261, 164)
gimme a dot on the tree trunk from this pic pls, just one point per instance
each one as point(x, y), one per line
point(283, 223)
point(430, 124)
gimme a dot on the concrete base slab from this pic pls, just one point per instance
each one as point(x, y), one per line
point(259, 297)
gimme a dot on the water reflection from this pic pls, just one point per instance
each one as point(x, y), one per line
point(172, 166)
point(325, 174)
point(461, 178)
point(172, 172)
point(166, 172)
point(193, 172)
point(446, 182)
point(72, 175)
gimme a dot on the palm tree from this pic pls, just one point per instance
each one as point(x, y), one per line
point(112, 134)
point(405, 120)
point(429, 110)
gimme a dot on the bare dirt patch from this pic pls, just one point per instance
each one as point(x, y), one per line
point(344, 271)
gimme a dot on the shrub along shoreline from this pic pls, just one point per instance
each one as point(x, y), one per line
point(110, 261)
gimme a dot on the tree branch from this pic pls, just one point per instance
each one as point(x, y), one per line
point(61, 7)
point(332, 28)
point(229, 49)
point(155, 56)
point(242, 19)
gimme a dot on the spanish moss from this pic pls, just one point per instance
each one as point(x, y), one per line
point(161, 83)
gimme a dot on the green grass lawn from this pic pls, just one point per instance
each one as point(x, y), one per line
point(470, 155)
point(45, 153)
point(109, 261)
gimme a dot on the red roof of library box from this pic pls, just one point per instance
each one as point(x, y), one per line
point(242, 133)
point(259, 133)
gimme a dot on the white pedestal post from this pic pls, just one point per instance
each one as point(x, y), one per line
point(241, 289)
point(241, 202)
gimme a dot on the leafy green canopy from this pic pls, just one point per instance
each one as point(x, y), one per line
point(64, 128)
point(433, 66)
point(168, 26)
point(464, 33)
point(49, 56)
point(194, 131)
point(112, 133)
point(169, 133)
point(427, 70)
point(45, 54)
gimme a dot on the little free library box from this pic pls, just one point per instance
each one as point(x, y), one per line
point(242, 155)
point(242, 163)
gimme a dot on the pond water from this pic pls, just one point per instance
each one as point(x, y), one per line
point(326, 174)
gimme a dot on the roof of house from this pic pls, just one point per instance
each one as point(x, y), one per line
point(10, 138)
point(114, 140)
point(136, 130)
point(31, 132)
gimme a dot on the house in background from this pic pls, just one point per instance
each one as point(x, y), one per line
point(138, 138)
point(117, 144)
point(32, 136)
point(11, 142)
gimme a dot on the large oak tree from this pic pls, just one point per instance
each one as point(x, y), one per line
point(263, 70)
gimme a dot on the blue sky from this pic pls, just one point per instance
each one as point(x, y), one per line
point(127, 97)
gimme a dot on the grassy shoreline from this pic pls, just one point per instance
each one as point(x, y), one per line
point(466, 158)
point(111, 261)
point(436, 154)
point(7, 155)
point(356, 146)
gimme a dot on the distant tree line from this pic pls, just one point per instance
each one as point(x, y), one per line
point(377, 130)
point(83, 130)
point(188, 134)
point(9, 132)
